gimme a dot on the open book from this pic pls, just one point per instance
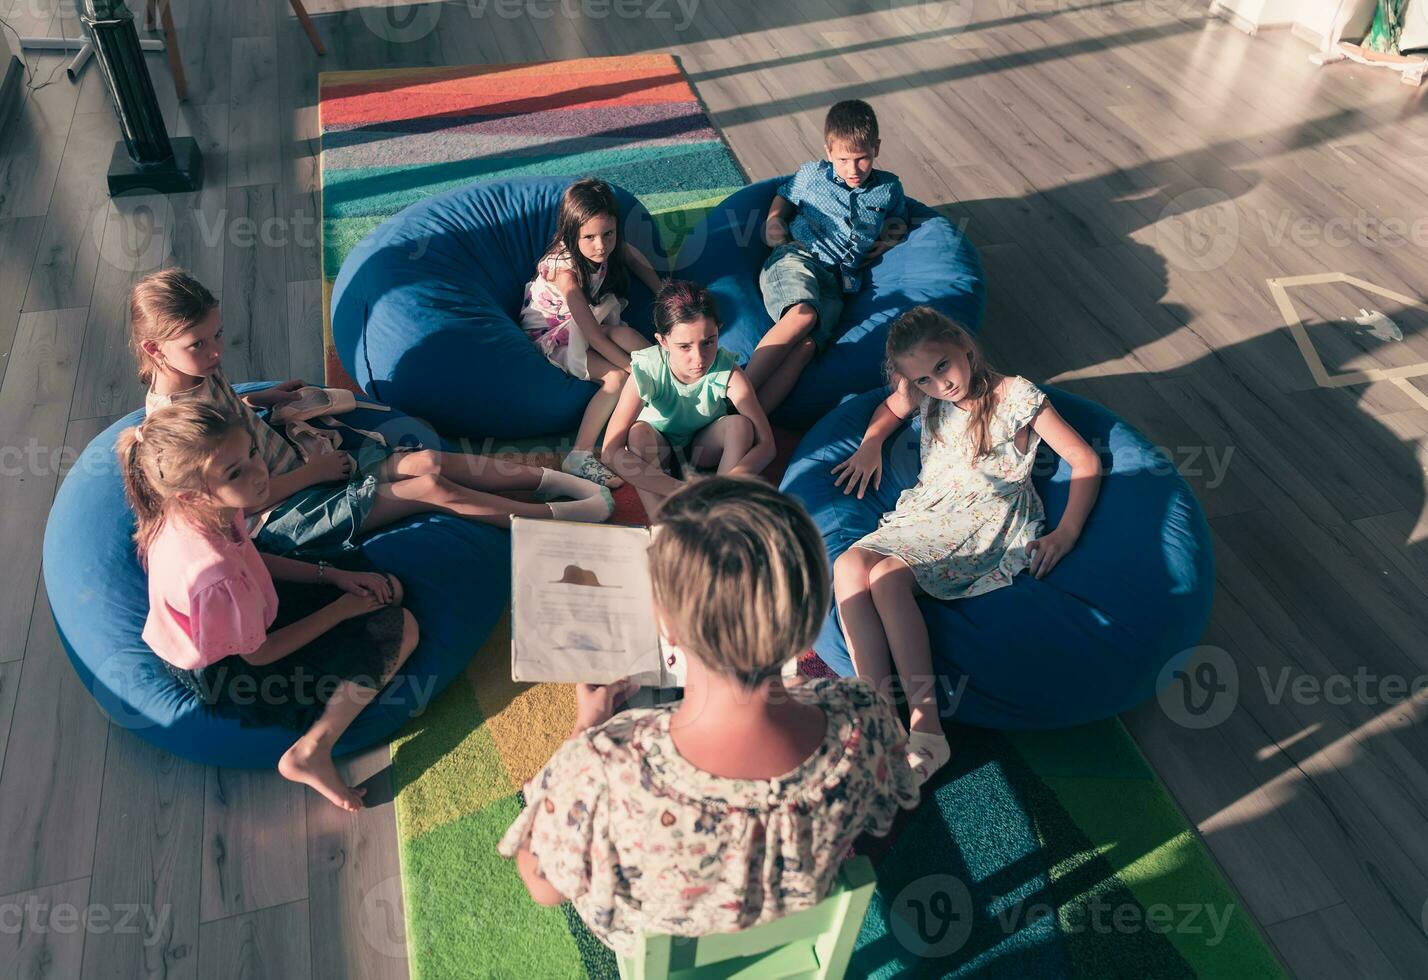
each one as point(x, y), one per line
point(582, 607)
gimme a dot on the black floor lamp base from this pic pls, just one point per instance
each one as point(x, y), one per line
point(183, 172)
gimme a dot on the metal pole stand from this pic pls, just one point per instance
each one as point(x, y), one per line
point(147, 160)
point(80, 45)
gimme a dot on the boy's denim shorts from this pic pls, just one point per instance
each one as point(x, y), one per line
point(792, 274)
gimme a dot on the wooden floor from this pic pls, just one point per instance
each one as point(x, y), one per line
point(1133, 174)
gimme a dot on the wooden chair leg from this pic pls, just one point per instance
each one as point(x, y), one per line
point(171, 48)
point(307, 25)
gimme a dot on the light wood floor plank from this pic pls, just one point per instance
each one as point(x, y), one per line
point(34, 142)
point(1331, 944)
point(74, 228)
point(34, 411)
point(255, 287)
point(355, 897)
point(305, 330)
point(268, 943)
point(19, 243)
point(49, 940)
point(49, 791)
point(254, 842)
point(253, 112)
point(147, 862)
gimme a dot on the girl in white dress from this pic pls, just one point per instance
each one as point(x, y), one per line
point(572, 310)
point(972, 522)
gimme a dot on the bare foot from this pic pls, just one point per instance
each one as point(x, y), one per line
point(308, 763)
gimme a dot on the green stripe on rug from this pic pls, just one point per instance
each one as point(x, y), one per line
point(349, 193)
point(467, 911)
point(1105, 786)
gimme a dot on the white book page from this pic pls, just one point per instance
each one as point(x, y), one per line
point(581, 604)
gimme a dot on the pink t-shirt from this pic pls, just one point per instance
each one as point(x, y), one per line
point(208, 598)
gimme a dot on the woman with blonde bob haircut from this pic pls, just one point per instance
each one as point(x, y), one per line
point(737, 805)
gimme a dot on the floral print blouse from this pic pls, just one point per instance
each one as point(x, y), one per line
point(641, 840)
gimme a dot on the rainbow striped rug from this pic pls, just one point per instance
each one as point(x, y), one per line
point(392, 137)
point(1049, 855)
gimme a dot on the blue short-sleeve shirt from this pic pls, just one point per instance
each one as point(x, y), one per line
point(838, 223)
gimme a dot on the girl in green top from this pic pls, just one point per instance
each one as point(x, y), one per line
point(686, 401)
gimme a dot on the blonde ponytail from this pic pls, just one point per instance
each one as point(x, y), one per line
point(163, 461)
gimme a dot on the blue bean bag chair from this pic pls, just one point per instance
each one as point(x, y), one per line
point(935, 266)
point(456, 574)
point(1087, 641)
point(425, 308)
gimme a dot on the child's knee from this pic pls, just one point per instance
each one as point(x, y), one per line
point(642, 439)
point(420, 462)
point(432, 488)
point(803, 314)
point(851, 569)
point(888, 577)
point(738, 431)
point(613, 380)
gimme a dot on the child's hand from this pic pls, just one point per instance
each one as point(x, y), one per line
point(276, 395)
point(329, 467)
point(376, 585)
point(596, 703)
point(875, 253)
point(858, 469)
point(351, 605)
point(1049, 549)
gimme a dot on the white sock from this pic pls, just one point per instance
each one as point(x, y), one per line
point(595, 508)
point(554, 483)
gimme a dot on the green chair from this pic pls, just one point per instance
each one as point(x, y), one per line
point(814, 943)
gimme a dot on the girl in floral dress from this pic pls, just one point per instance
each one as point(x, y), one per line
point(572, 310)
point(972, 522)
point(738, 804)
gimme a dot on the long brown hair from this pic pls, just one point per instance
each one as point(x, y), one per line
point(583, 200)
point(163, 305)
point(163, 459)
point(922, 324)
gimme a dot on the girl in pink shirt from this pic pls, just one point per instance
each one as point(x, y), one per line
point(307, 652)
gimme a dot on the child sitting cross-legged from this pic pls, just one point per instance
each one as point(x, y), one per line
point(737, 805)
point(686, 403)
point(828, 222)
point(306, 652)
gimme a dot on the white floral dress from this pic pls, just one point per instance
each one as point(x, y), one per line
point(963, 530)
point(641, 840)
point(546, 318)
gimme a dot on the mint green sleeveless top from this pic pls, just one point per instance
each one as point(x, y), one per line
point(677, 410)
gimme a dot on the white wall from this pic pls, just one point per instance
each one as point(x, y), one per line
point(1320, 18)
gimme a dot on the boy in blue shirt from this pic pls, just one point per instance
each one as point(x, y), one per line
point(826, 224)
